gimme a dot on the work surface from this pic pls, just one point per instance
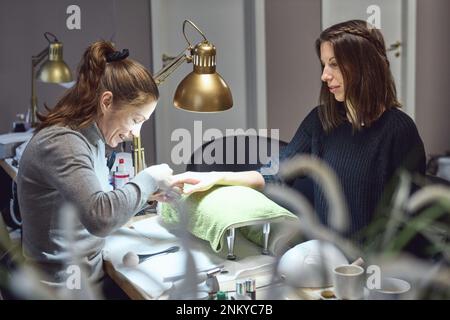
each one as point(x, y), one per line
point(150, 279)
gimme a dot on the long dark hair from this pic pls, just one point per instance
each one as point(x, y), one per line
point(360, 53)
point(130, 83)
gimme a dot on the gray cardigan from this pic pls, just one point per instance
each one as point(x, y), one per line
point(63, 166)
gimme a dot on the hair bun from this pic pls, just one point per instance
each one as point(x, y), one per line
point(117, 55)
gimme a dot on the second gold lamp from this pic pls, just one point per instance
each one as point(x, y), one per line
point(53, 70)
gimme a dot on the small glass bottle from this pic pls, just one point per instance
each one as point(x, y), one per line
point(221, 295)
point(121, 176)
point(250, 288)
point(241, 293)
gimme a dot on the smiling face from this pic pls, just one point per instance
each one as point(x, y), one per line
point(118, 124)
point(331, 74)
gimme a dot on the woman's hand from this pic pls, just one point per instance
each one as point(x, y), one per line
point(162, 174)
point(168, 189)
point(198, 181)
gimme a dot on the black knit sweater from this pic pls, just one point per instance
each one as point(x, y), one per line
point(364, 161)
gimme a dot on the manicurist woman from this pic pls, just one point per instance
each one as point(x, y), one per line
point(64, 163)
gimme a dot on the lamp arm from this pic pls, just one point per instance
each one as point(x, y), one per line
point(35, 61)
point(39, 57)
point(166, 71)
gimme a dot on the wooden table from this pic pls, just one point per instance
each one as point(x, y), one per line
point(135, 293)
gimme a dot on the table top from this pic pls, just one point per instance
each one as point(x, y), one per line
point(149, 279)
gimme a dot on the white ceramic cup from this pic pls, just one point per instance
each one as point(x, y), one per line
point(348, 282)
point(390, 289)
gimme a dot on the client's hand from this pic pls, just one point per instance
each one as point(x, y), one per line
point(198, 181)
point(166, 196)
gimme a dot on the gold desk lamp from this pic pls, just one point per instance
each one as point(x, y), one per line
point(53, 70)
point(203, 90)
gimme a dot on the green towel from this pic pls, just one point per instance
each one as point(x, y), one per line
point(213, 212)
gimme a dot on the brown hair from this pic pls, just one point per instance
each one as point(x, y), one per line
point(129, 82)
point(360, 53)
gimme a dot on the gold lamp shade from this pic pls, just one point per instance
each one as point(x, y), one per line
point(203, 93)
point(54, 70)
point(203, 90)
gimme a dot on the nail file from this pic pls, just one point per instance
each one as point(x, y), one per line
point(179, 277)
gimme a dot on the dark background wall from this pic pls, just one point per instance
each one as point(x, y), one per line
point(22, 25)
point(293, 70)
point(433, 74)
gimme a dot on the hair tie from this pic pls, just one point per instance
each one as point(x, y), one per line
point(117, 55)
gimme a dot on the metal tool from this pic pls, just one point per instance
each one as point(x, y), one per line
point(266, 233)
point(230, 244)
point(143, 257)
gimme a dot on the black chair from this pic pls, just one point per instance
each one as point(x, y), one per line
point(430, 180)
point(233, 153)
point(10, 255)
point(246, 149)
point(9, 205)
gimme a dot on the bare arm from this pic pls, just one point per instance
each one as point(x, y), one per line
point(202, 181)
point(252, 179)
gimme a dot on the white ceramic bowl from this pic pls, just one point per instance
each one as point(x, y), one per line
point(391, 289)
